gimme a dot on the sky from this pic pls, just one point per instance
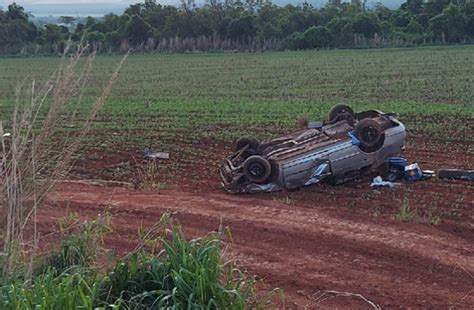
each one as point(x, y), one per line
point(40, 8)
point(43, 2)
point(33, 2)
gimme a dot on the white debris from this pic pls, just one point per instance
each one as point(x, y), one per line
point(151, 154)
point(379, 182)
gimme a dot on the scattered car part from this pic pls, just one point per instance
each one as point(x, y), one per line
point(457, 174)
point(396, 168)
point(337, 150)
point(429, 173)
point(413, 172)
point(151, 154)
point(379, 182)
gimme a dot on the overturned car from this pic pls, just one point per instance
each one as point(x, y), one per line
point(335, 151)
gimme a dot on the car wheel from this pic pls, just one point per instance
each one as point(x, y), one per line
point(370, 135)
point(257, 169)
point(457, 174)
point(342, 112)
point(244, 141)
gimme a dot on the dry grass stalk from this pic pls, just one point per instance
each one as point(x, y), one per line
point(32, 157)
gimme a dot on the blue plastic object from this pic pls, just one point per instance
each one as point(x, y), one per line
point(354, 139)
point(396, 167)
point(398, 163)
point(413, 172)
point(399, 168)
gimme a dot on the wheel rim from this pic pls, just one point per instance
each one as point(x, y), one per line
point(370, 134)
point(257, 170)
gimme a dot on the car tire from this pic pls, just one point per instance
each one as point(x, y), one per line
point(370, 135)
point(242, 142)
point(457, 174)
point(342, 112)
point(257, 169)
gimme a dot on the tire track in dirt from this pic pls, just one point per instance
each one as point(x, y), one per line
point(302, 250)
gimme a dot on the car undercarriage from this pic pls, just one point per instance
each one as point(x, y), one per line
point(337, 151)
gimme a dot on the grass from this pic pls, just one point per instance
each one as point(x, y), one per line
point(165, 101)
point(406, 213)
point(164, 271)
point(194, 106)
point(436, 74)
point(31, 155)
point(183, 274)
point(226, 95)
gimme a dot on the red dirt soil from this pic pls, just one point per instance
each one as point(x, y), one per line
point(300, 249)
point(345, 238)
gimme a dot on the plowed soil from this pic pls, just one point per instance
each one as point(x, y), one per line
point(347, 238)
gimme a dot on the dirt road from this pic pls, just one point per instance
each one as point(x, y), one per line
point(301, 249)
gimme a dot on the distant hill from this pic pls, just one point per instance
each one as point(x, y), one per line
point(100, 9)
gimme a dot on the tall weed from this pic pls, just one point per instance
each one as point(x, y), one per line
point(35, 151)
point(182, 274)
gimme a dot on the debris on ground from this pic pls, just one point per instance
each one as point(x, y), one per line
point(7, 134)
point(151, 154)
point(398, 168)
point(456, 174)
point(379, 182)
point(413, 172)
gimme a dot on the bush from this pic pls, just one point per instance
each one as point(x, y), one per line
point(50, 291)
point(296, 41)
point(184, 274)
point(316, 37)
point(78, 249)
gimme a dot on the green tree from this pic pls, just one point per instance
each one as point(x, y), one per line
point(341, 32)
point(414, 27)
point(241, 27)
point(296, 41)
point(16, 11)
point(414, 7)
point(468, 11)
point(137, 30)
point(301, 26)
point(52, 34)
point(113, 39)
point(67, 20)
point(95, 37)
point(15, 28)
point(269, 31)
point(435, 7)
point(450, 24)
point(316, 37)
point(402, 19)
point(367, 23)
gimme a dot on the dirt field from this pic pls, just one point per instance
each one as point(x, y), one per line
point(409, 247)
point(348, 238)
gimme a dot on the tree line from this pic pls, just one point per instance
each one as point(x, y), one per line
point(245, 25)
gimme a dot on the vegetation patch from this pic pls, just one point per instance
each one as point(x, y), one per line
point(244, 26)
point(165, 271)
